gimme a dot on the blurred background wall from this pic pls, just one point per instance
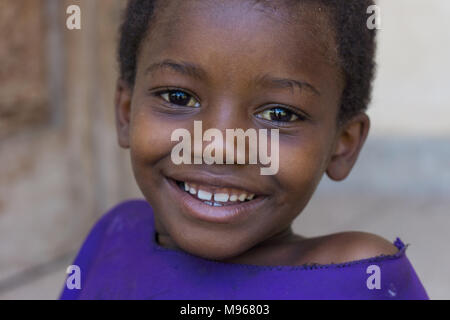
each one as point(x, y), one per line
point(61, 167)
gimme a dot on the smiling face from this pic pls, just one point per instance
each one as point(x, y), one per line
point(236, 66)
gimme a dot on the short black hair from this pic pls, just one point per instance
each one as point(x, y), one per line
point(356, 47)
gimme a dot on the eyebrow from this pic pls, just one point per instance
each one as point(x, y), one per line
point(197, 72)
point(185, 68)
point(281, 83)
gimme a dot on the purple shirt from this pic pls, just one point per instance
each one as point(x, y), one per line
point(120, 259)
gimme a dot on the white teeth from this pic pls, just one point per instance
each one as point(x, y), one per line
point(204, 195)
point(221, 197)
point(213, 204)
point(242, 197)
point(218, 197)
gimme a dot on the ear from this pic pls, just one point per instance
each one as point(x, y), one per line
point(122, 103)
point(350, 139)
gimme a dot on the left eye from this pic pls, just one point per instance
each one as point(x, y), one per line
point(179, 98)
point(278, 114)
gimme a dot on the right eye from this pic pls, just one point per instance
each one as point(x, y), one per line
point(178, 98)
point(278, 114)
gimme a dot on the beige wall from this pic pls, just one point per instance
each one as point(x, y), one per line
point(61, 167)
point(412, 96)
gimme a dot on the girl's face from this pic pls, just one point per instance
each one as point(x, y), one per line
point(218, 57)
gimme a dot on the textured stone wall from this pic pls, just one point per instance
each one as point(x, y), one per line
point(61, 167)
point(23, 90)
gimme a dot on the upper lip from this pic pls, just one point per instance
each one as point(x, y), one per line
point(220, 181)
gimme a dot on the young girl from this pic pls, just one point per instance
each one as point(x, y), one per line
point(221, 230)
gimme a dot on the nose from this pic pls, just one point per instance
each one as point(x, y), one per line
point(228, 134)
point(226, 112)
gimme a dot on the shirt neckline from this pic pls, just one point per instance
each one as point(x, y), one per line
point(312, 266)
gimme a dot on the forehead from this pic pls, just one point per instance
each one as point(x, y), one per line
point(244, 35)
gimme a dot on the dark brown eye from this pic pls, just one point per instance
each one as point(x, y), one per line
point(278, 114)
point(179, 98)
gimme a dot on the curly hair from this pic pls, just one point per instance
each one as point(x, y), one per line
point(356, 45)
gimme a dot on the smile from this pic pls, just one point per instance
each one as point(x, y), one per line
point(212, 201)
point(214, 196)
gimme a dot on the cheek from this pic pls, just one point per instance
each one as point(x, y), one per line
point(301, 164)
point(150, 137)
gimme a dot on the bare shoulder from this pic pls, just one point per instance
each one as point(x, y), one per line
point(347, 246)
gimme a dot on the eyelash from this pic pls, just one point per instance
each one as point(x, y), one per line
point(300, 117)
point(171, 90)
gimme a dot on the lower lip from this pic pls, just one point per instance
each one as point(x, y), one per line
point(195, 208)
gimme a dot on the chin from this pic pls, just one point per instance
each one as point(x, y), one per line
point(214, 250)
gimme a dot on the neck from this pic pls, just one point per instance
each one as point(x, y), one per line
point(279, 249)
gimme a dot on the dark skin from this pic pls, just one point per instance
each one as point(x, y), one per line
point(234, 45)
